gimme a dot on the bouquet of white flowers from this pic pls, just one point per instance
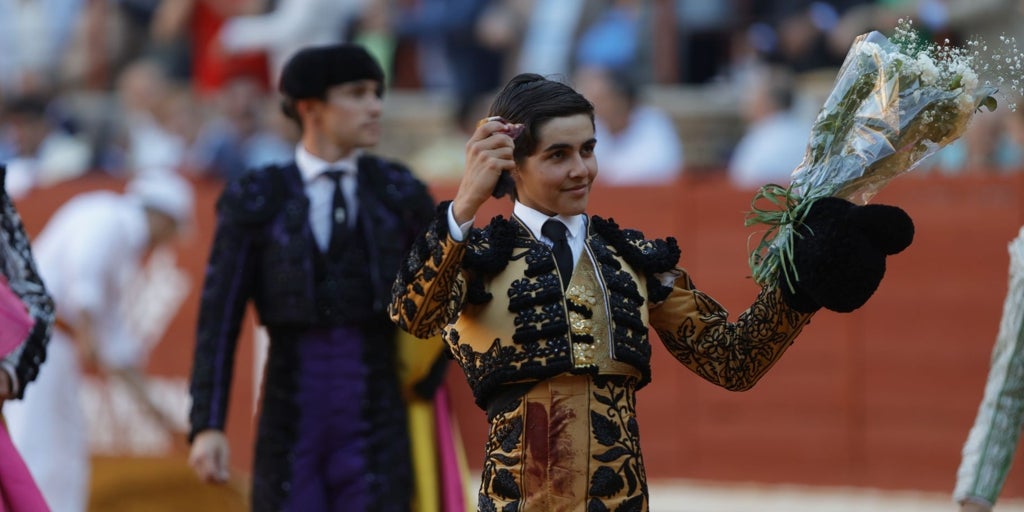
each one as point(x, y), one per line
point(895, 101)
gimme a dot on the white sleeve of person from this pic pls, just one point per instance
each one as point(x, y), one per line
point(992, 441)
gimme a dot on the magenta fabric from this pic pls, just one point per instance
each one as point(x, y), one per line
point(18, 492)
point(15, 322)
point(453, 495)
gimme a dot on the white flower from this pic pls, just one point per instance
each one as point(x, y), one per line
point(870, 49)
point(969, 81)
point(874, 128)
point(927, 68)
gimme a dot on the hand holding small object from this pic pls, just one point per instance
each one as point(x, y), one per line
point(512, 130)
point(488, 154)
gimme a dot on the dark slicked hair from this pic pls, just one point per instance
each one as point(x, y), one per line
point(532, 100)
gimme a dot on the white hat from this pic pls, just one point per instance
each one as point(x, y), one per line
point(166, 192)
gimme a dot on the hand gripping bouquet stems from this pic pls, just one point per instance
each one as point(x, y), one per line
point(894, 102)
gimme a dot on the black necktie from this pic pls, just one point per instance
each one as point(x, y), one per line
point(555, 231)
point(339, 213)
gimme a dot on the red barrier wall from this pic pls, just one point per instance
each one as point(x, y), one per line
point(882, 397)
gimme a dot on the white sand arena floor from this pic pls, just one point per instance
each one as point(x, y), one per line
point(693, 496)
point(701, 496)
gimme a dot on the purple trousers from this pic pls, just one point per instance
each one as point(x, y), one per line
point(332, 429)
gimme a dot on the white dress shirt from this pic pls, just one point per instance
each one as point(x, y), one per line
point(320, 190)
point(575, 233)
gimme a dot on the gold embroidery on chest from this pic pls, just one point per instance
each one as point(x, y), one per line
point(583, 296)
point(589, 322)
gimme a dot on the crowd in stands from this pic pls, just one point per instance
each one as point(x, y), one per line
point(121, 86)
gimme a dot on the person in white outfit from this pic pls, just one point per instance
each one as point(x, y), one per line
point(87, 255)
point(639, 144)
point(775, 139)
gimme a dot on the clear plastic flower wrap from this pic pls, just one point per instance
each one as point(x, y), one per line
point(894, 102)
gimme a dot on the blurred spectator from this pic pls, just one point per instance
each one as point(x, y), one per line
point(1011, 154)
point(930, 17)
point(775, 139)
point(993, 143)
point(475, 67)
point(183, 116)
point(211, 67)
point(235, 138)
point(167, 36)
point(106, 35)
point(291, 25)
point(88, 254)
point(144, 91)
point(43, 152)
point(987, 20)
point(278, 136)
point(550, 34)
point(705, 38)
point(372, 29)
point(34, 35)
point(617, 38)
point(797, 33)
point(636, 143)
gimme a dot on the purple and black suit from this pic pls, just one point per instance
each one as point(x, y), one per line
point(332, 431)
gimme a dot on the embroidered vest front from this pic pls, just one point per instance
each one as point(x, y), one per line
point(524, 329)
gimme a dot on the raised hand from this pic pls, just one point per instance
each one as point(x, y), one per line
point(488, 153)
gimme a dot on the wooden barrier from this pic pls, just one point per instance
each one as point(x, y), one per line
point(882, 397)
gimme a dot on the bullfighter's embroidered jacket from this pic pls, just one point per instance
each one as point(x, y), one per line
point(557, 370)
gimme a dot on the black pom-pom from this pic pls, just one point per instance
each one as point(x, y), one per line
point(798, 299)
point(889, 227)
point(839, 253)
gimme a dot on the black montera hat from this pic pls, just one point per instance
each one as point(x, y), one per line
point(313, 70)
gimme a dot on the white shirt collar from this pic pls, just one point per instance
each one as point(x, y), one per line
point(535, 219)
point(311, 166)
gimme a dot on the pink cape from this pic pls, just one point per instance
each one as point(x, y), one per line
point(15, 321)
point(18, 492)
point(453, 493)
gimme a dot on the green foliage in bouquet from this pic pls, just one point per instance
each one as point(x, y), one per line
point(894, 102)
